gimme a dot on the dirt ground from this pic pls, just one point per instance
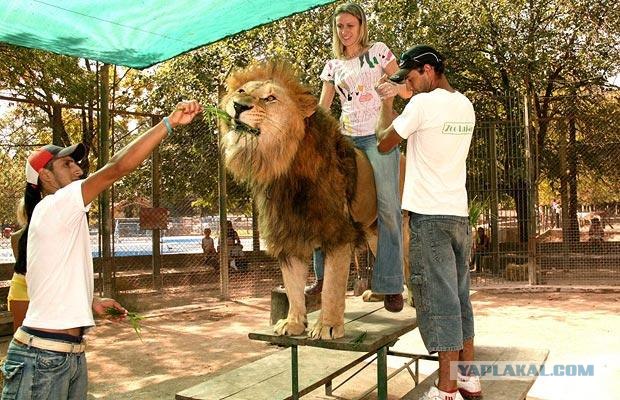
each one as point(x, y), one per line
point(185, 344)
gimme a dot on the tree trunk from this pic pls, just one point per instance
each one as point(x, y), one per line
point(518, 192)
point(87, 134)
point(564, 183)
point(59, 133)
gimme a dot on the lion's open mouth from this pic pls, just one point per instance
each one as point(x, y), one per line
point(241, 127)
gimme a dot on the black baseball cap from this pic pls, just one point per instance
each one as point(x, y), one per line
point(416, 57)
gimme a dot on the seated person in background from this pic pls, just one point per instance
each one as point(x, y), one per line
point(208, 249)
point(482, 247)
point(235, 248)
point(596, 232)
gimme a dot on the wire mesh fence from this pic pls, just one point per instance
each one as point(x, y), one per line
point(548, 192)
point(544, 192)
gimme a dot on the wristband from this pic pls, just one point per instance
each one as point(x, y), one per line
point(168, 126)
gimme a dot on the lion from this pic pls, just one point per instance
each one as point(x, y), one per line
point(312, 187)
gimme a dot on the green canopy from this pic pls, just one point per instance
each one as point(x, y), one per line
point(135, 33)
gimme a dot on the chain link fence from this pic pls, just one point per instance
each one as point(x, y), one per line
point(547, 192)
point(544, 192)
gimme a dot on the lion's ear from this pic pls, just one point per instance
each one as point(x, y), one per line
point(307, 104)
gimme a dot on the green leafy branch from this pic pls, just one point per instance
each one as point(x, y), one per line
point(213, 112)
point(359, 339)
point(133, 319)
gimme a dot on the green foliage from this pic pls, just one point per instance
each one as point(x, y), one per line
point(11, 170)
point(133, 319)
point(475, 210)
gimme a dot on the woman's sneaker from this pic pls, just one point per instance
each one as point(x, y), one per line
point(469, 386)
point(436, 394)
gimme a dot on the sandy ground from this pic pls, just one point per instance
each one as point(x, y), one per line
point(184, 345)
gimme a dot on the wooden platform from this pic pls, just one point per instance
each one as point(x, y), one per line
point(309, 364)
point(503, 389)
point(270, 377)
point(370, 322)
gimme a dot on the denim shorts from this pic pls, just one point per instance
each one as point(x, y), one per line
point(439, 249)
point(31, 373)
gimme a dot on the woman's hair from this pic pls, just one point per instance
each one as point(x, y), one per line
point(32, 197)
point(357, 11)
point(20, 213)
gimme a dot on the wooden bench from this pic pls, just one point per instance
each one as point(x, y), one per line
point(370, 331)
point(504, 389)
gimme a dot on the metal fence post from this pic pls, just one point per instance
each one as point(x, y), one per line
point(221, 170)
point(104, 198)
point(531, 198)
point(156, 195)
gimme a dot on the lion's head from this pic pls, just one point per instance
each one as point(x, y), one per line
point(268, 107)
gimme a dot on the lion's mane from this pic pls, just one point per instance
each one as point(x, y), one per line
point(303, 197)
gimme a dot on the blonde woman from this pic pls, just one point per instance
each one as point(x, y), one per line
point(352, 75)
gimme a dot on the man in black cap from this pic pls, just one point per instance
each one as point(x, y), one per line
point(46, 356)
point(438, 123)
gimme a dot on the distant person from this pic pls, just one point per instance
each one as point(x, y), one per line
point(235, 248)
point(596, 233)
point(541, 215)
point(232, 237)
point(482, 247)
point(208, 249)
point(555, 212)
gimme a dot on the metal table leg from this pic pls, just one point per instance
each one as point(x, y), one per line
point(294, 373)
point(382, 373)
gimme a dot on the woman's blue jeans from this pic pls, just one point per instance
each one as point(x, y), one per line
point(387, 275)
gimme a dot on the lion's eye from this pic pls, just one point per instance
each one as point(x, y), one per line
point(270, 98)
point(241, 90)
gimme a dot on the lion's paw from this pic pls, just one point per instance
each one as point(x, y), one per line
point(368, 296)
point(284, 327)
point(325, 332)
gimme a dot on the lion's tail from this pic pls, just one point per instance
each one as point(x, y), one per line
point(360, 237)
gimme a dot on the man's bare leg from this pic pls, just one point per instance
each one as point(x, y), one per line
point(467, 353)
point(445, 383)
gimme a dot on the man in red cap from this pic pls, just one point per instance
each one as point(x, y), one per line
point(46, 357)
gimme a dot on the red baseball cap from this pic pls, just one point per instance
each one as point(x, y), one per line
point(39, 158)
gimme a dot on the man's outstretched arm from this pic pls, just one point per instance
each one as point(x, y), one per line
point(132, 155)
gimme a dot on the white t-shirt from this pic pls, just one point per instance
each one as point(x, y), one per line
point(60, 264)
point(354, 80)
point(438, 127)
